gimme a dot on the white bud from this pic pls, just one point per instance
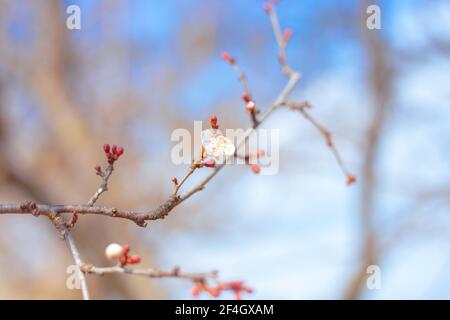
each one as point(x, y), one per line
point(114, 251)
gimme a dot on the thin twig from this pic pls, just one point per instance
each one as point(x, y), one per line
point(280, 40)
point(302, 108)
point(183, 180)
point(103, 186)
point(150, 273)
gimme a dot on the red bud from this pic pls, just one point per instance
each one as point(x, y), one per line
point(351, 179)
point(260, 153)
point(133, 260)
point(246, 97)
point(213, 292)
point(198, 287)
point(287, 34)
point(120, 151)
point(213, 122)
point(228, 58)
point(106, 147)
point(211, 163)
point(255, 168)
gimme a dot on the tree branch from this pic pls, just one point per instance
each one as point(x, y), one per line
point(150, 273)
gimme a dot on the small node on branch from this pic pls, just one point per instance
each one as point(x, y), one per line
point(71, 223)
point(228, 58)
point(99, 171)
point(267, 6)
point(287, 34)
point(351, 179)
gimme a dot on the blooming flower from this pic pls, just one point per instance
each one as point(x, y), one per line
point(216, 145)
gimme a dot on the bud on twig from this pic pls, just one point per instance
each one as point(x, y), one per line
point(228, 58)
point(287, 34)
point(213, 122)
point(351, 179)
point(211, 163)
point(255, 168)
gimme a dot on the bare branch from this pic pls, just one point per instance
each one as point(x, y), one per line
point(104, 185)
point(302, 107)
point(150, 273)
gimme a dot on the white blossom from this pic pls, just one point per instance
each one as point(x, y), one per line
point(216, 145)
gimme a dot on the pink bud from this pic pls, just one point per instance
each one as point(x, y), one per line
point(210, 163)
point(120, 151)
point(255, 168)
point(133, 259)
point(213, 292)
point(260, 153)
point(228, 58)
point(213, 122)
point(198, 287)
point(246, 97)
point(287, 34)
point(351, 179)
